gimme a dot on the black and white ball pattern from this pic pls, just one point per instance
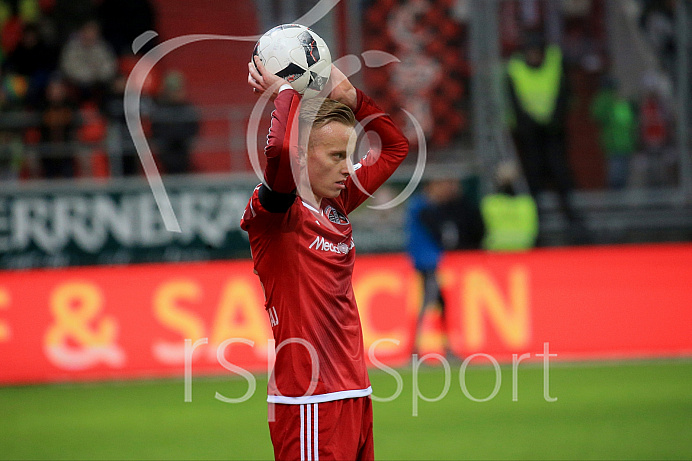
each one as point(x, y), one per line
point(297, 54)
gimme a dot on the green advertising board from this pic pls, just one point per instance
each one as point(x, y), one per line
point(75, 223)
point(57, 225)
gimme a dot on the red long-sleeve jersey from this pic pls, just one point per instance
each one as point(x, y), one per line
point(304, 258)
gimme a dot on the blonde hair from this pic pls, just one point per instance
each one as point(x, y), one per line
point(317, 112)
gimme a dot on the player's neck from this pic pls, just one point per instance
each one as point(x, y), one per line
point(313, 200)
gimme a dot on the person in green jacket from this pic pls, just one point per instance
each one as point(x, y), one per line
point(511, 220)
point(538, 97)
point(618, 131)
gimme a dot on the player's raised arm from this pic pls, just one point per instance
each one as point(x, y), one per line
point(374, 169)
point(278, 175)
point(342, 90)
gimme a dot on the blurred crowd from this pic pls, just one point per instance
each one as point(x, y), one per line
point(636, 134)
point(63, 69)
point(64, 65)
point(560, 87)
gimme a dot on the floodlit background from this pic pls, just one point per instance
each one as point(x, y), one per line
point(92, 352)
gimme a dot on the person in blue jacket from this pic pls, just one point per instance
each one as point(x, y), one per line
point(440, 218)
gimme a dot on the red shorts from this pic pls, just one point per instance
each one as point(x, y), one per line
point(336, 430)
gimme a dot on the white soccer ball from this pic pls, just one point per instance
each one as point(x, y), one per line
point(297, 54)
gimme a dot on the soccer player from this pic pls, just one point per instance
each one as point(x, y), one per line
point(319, 391)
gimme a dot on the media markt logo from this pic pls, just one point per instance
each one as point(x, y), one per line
point(324, 245)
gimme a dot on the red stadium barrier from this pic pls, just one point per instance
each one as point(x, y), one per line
point(127, 322)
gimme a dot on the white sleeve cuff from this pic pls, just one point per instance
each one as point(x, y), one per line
point(285, 86)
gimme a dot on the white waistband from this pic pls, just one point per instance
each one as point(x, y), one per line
point(319, 398)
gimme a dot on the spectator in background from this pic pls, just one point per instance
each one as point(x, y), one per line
point(12, 91)
point(88, 62)
point(121, 147)
point(34, 60)
point(125, 20)
point(511, 220)
point(657, 20)
point(655, 119)
point(618, 131)
point(537, 86)
point(439, 219)
point(70, 15)
point(175, 123)
point(59, 123)
point(11, 153)
point(10, 28)
point(5, 12)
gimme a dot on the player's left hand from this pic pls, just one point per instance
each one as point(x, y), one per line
point(261, 80)
point(341, 88)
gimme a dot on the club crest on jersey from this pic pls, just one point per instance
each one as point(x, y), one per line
point(335, 216)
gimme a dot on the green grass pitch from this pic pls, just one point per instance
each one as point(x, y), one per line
point(626, 410)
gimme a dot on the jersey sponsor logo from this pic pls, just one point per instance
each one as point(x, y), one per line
point(335, 216)
point(320, 244)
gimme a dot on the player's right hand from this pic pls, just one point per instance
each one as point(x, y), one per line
point(261, 80)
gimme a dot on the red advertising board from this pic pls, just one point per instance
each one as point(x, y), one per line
point(126, 322)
